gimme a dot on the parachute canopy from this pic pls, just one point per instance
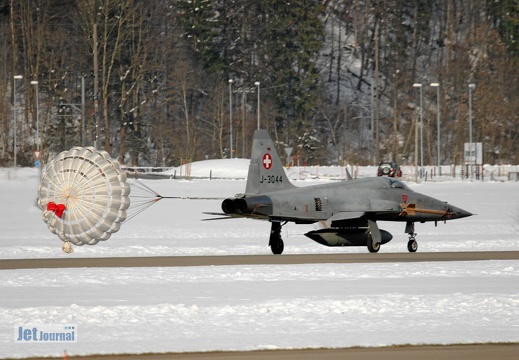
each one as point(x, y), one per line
point(83, 196)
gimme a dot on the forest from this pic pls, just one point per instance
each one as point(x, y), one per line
point(162, 82)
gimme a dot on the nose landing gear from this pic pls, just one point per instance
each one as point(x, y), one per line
point(412, 245)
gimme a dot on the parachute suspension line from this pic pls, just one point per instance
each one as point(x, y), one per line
point(136, 209)
point(142, 197)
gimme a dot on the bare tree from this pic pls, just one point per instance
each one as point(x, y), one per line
point(114, 20)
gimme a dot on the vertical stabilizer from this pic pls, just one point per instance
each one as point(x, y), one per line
point(266, 172)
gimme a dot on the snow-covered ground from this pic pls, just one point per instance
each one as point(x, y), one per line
point(136, 310)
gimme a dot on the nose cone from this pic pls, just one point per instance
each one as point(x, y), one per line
point(457, 213)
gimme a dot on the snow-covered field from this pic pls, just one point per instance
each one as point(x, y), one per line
point(133, 310)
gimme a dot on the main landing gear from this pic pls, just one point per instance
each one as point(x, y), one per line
point(412, 245)
point(275, 242)
point(373, 247)
point(374, 239)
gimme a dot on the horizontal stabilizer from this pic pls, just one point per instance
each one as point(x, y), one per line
point(223, 216)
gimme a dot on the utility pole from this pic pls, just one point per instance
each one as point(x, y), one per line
point(437, 86)
point(35, 83)
point(15, 77)
point(257, 83)
point(372, 114)
point(377, 103)
point(83, 118)
point(419, 85)
point(472, 145)
point(395, 117)
point(416, 147)
point(230, 116)
point(96, 88)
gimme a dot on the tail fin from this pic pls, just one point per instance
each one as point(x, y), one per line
point(266, 172)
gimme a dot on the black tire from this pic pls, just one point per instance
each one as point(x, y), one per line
point(412, 246)
point(276, 243)
point(277, 247)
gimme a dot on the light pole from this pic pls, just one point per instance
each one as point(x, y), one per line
point(437, 86)
point(471, 87)
point(421, 127)
point(16, 77)
point(230, 113)
point(257, 83)
point(35, 83)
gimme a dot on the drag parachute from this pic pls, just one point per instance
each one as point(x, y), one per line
point(83, 196)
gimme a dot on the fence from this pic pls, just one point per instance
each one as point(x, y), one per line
point(429, 173)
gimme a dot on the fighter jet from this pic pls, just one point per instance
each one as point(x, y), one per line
point(349, 210)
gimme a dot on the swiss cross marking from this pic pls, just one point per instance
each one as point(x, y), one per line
point(404, 197)
point(267, 161)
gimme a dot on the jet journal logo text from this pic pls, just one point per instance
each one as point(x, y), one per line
point(45, 333)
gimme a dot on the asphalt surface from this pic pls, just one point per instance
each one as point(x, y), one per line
point(470, 351)
point(73, 262)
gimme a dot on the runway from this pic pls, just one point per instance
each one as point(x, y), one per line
point(472, 351)
point(166, 261)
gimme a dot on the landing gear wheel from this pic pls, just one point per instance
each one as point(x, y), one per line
point(373, 248)
point(277, 247)
point(275, 242)
point(412, 245)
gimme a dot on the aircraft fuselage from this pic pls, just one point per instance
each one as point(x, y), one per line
point(348, 210)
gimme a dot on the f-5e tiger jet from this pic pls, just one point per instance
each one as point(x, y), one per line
point(349, 209)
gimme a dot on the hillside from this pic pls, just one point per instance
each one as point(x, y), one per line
point(331, 79)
